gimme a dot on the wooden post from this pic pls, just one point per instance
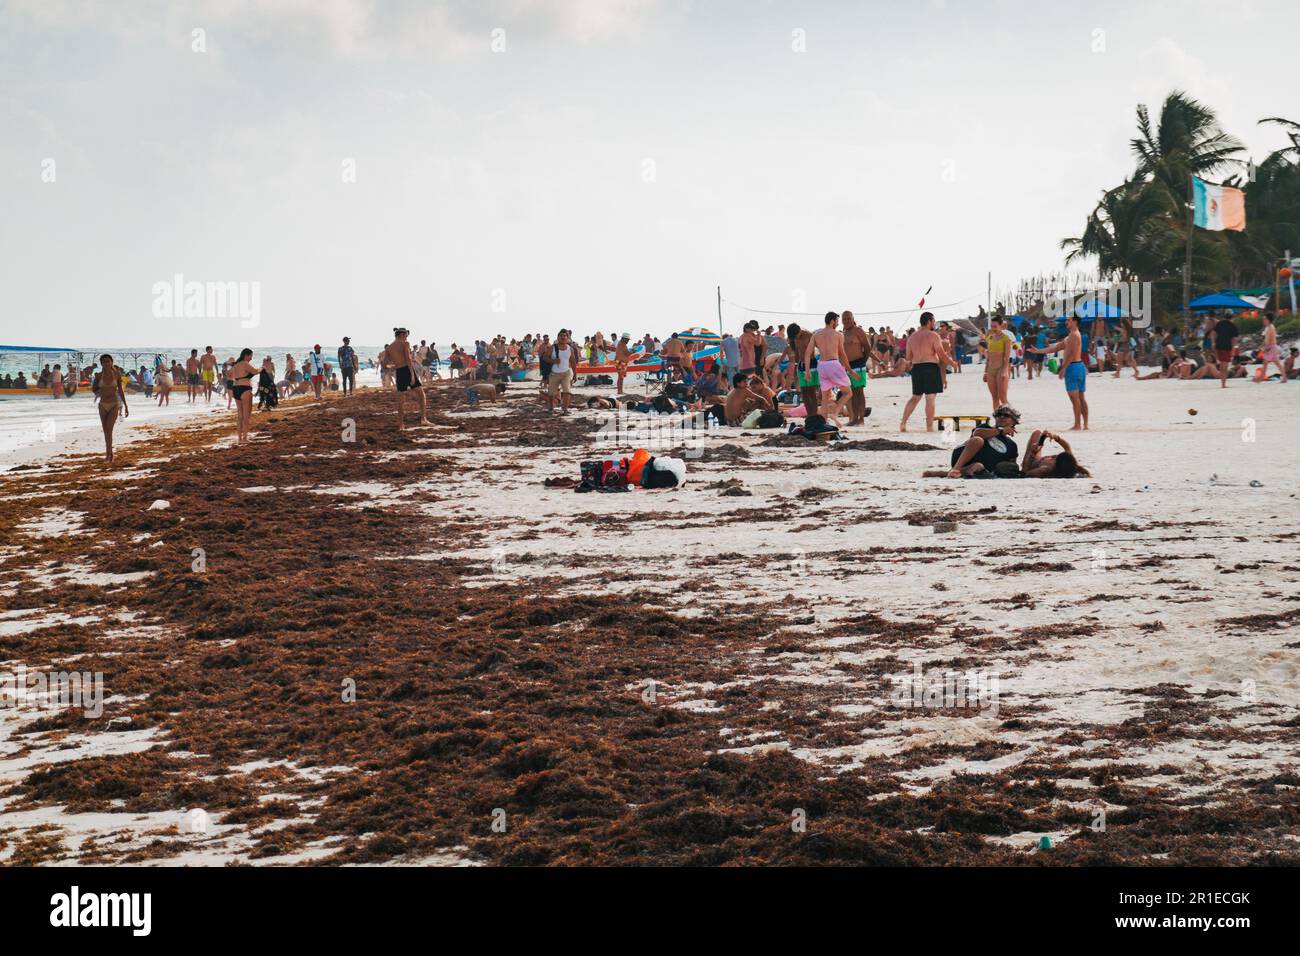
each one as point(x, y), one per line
point(719, 310)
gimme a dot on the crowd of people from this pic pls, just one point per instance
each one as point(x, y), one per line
point(762, 377)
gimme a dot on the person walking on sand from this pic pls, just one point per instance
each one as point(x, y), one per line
point(1270, 354)
point(163, 379)
point(1225, 347)
point(857, 347)
point(1073, 371)
point(928, 357)
point(564, 358)
point(832, 366)
point(315, 365)
point(397, 356)
point(208, 371)
point(997, 368)
point(107, 386)
point(56, 382)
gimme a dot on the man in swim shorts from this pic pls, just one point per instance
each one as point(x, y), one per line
point(1225, 347)
point(797, 341)
point(397, 355)
point(315, 365)
point(208, 370)
point(926, 352)
point(622, 359)
point(858, 348)
point(832, 366)
point(192, 377)
point(1073, 371)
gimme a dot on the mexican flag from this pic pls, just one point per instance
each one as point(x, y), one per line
point(1218, 207)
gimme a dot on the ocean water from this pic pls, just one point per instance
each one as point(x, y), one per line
point(135, 356)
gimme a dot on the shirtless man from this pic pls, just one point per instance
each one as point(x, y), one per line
point(208, 369)
point(397, 356)
point(674, 353)
point(857, 347)
point(1292, 359)
point(748, 394)
point(192, 377)
point(926, 352)
point(797, 341)
point(485, 392)
point(997, 369)
point(1270, 354)
point(1073, 371)
point(622, 359)
point(832, 366)
point(752, 348)
point(1225, 336)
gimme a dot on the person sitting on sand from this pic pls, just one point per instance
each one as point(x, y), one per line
point(747, 395)
point(1288, 367)
point(1061, 465)
point(988, 451)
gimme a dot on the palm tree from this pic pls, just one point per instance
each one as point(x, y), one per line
point(1292, 129)
point(1132, 232)
point(1187, 142)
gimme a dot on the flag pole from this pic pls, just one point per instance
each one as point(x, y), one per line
point(719, 310)
point(1187, 266)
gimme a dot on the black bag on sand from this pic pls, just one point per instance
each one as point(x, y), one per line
point(771, 419)
point(664, 405)
point(651, 477)
point(677, 390)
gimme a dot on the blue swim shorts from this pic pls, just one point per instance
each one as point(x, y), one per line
point(1076, 377)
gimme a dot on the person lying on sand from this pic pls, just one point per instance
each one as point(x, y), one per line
point(1061, 465)
point(986, 449)
point(485, 392)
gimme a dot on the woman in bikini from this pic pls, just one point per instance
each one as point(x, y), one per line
point(241, 379)
point(1061, 465)
point(112, 401)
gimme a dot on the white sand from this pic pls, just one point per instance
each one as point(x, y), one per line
point(1152, 461)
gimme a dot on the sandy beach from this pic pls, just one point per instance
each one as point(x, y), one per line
point(373, 651)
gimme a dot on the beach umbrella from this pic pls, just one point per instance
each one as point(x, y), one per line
point(1096, 309)
point(699, 335)
point(1220, 300)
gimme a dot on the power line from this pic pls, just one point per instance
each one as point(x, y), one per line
point(856, 313)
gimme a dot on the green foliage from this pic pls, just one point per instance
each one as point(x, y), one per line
point(1138, 230)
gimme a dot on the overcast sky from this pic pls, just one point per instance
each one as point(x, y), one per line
point(607, 165)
